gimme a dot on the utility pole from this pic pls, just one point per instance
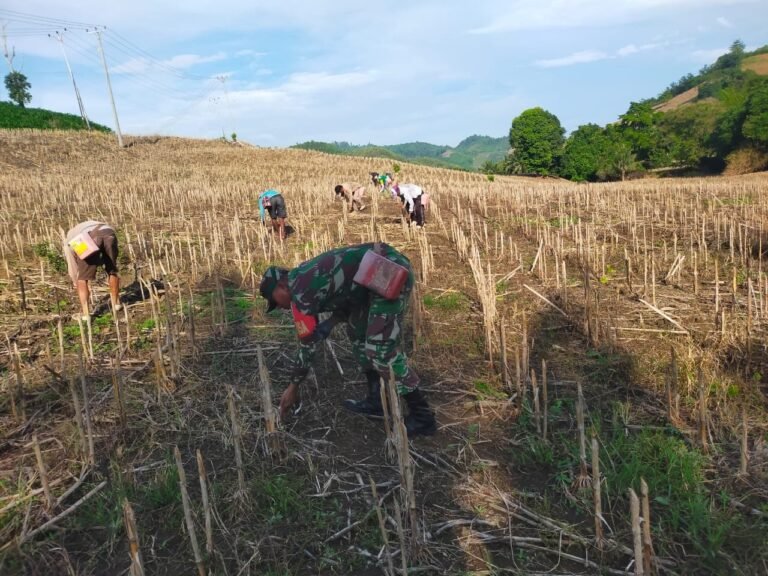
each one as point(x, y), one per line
point(60, 38)
point(223, 79)
point(9, 56)
point(109, 86)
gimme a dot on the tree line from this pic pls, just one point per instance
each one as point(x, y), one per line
point(727, 119)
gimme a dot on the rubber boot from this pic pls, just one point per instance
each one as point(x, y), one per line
point(371, 405)
point(420, 420)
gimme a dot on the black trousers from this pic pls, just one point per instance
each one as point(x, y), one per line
point(418, 212)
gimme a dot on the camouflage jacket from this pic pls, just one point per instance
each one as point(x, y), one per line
point(321, 286)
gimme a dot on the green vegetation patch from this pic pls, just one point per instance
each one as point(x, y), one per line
point(445, 302)
point(12, 116)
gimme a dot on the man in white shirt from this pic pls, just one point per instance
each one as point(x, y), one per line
point(411, 196)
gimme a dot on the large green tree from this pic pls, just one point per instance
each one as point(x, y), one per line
point(587, 150)
point(18, 88)
point(638, 128)
point(536, 138)
point(755, 125)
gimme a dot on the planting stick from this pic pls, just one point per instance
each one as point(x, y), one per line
point(117, 385)
point(83, 341)
point(536, 402)
point(672, 395)
point(270, 420)
point(744, 447)
point(49, 502)
point(134, 549)
point(206, 502)
point(192, 335)
point(583, 478)
point(188, 512)
point(401, 535)
point(519, 381)
point(23, 295)
point(648, 554)
point(17, 395)
point(78, 416)
point(242, 494)
point(702, 409)
point(60, 334)
point(382, 528)
point(504, 363)
point(596, 495)
point(87, 410)
point(637, 536)
point(544, 400)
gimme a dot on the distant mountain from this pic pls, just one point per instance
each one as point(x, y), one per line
point(470, 154)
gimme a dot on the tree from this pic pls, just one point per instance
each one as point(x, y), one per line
point(536, 138)
point(638, 128)
point(755, 125)
point(585, 152)
point(623, 160)
point(18, 88)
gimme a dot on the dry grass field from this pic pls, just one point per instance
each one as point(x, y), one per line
point(596, 355)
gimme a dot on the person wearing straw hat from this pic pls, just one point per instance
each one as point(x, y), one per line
point(353, 194)
point(367, 287)
point(87, 246)
point(272, 201)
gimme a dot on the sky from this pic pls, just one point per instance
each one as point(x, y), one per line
point(376, 71)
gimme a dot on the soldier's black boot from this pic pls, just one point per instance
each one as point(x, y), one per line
point(371, 405)
point(420, 420)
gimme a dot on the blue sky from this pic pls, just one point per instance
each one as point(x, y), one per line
point(386, 71)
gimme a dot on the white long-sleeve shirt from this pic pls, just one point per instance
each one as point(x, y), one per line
point(409, 193)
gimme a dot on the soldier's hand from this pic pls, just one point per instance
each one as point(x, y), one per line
point(288, 399)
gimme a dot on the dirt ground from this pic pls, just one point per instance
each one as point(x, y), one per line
point(494, 494)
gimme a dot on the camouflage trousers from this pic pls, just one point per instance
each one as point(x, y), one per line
point(376, 332)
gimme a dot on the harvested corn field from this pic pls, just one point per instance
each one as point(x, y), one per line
point(596, 355)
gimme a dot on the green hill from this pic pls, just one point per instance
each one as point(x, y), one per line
point(13, 116)
point(470, 154)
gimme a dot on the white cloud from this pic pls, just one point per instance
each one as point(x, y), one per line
point(587, 56)
point(582, 57)
point(724, 22)
point(249, 52)
point(179, 62)
point(184, 61)
point(707, 56)
point(538, 14)
point(630, 49)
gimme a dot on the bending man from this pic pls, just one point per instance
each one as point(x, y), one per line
point(86, 247)
point(325, 284)
point(273, 202)
point(353, 194)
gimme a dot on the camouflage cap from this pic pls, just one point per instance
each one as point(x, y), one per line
point(269, 282)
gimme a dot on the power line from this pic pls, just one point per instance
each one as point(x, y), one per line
point(60, 38)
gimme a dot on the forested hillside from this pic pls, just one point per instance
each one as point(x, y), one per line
point(470, 154)
point(713, 121)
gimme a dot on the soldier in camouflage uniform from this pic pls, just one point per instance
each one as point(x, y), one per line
point(324, 286)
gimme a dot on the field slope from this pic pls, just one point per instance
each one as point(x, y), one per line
point(634, 312)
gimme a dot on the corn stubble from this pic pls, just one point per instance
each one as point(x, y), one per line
point(669, 271)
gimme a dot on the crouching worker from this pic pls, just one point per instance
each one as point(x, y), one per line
point(86, 247)
point(273, 202)
point(353, 194)
point(367, 287)
point(412, 197)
